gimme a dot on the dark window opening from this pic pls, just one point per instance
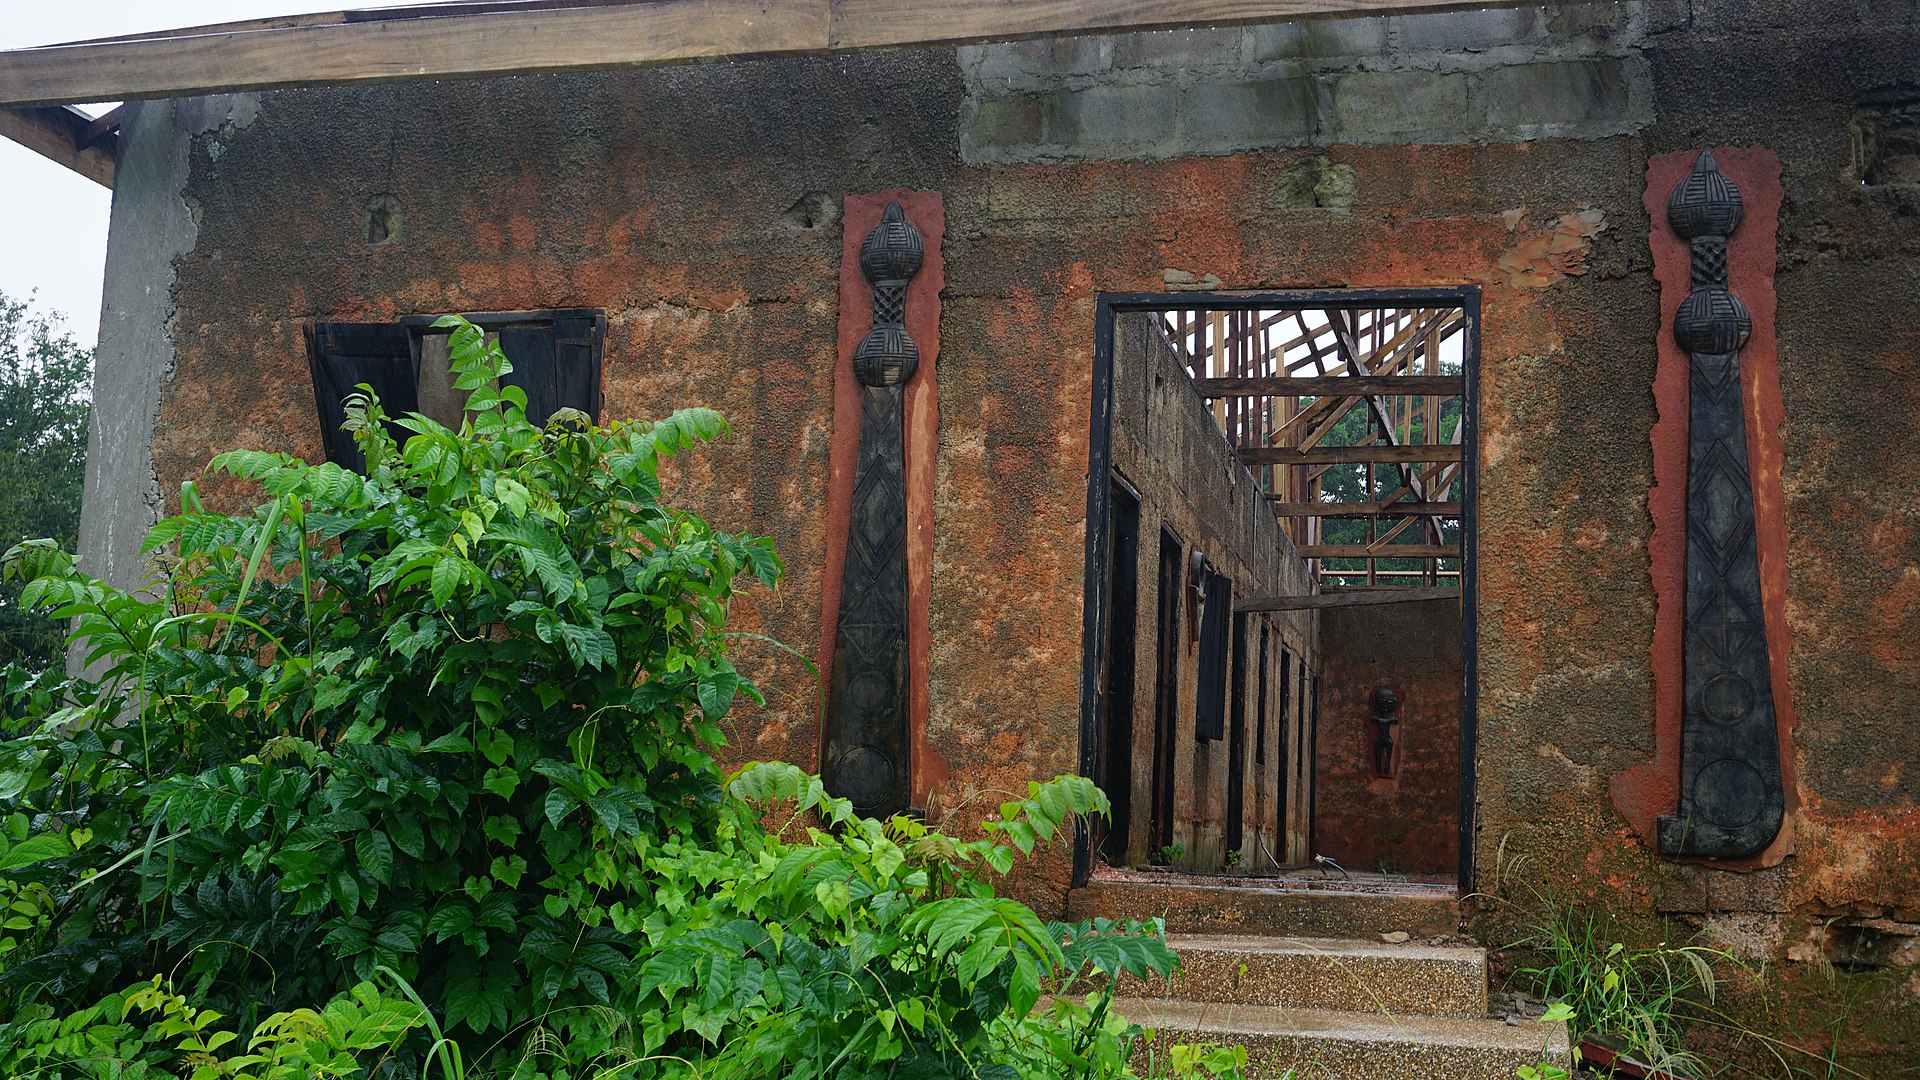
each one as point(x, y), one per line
point(1283, 783)
point(1310, 715)
point(1237, 740)
point(1116, 768)
point(1166, 682)
point(555, 355)
point(1260, 700)
point(1210, 693)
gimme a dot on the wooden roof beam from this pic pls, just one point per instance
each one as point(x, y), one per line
point(270, 54)
point(1347, 455)
point(1382, 551)
point(1283, 508)
point(63, 134)
point(1345, 598)
point(1348, 386)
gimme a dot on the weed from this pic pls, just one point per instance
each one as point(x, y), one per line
point(1547, 1068)
point(1634, 995)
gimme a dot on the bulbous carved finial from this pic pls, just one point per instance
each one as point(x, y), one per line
point(893, 250)
point(1712, 321)
point(889, 256)
point(1706, 203)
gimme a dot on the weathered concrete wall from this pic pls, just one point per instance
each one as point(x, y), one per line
point(685, 202)
point(152, 226)
point(1167, 444)
point(1408, 823)
point(1508, 74)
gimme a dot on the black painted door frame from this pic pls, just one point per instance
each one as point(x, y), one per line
point(1097, 609)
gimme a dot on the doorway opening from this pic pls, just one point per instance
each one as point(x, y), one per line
point(1285, 681)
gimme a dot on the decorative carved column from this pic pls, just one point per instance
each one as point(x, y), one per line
point(866, 736)
point(1732, 798)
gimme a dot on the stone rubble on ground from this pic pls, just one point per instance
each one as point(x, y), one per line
point(1515, 1006)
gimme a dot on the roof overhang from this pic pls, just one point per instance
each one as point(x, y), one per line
point(468, 39)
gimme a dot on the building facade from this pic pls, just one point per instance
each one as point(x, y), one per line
point(1520, 157)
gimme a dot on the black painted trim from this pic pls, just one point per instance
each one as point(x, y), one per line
point(1094, 609)
point(1469, 586)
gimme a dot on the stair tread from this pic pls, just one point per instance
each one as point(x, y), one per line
point(1399, 890)
point(1225, 1022)
point(1290, 945)
point(1274, 908)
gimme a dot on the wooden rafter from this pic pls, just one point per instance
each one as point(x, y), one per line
point(1347, 455)
point(1345, 598)
point(1348, 346)
point(63, 135)
point(1335, 386)
point(1380, 551)
point(1362, 509)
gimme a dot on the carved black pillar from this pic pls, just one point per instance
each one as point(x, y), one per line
point(1732, 798)
point(865, 737)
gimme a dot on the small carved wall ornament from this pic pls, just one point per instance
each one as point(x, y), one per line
point(1386, 707)
point(865, 738)
point(1732, 799)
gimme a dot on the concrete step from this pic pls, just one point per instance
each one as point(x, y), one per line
point(1323, 973)
point(1320, 1044)
point(1278, 908)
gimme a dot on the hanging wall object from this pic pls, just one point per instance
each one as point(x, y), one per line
point(1386, 710)
point(876, 665)
point(1731, 792)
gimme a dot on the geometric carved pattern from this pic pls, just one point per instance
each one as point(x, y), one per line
point(1732, 798)
point(889, 257)
point(865, 734)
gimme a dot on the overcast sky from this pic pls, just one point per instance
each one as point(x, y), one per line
point(53, 222)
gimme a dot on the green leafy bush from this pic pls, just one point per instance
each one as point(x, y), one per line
point(448, 728)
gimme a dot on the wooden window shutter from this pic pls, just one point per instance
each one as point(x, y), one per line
point(557, 364)
point(1216, 619)
point(344, 355)
point(556, 355)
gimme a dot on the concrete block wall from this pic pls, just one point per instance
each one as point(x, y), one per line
point(1502, 75)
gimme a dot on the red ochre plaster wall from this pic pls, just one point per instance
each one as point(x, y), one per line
point(1408, 823)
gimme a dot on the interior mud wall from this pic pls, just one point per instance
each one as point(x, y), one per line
point(1408, 822)
point(1167, 445)
point(696, 206)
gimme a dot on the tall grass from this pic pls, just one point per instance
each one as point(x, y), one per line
point(1637, 996)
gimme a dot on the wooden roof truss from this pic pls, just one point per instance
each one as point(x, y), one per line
point(1283, 384)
